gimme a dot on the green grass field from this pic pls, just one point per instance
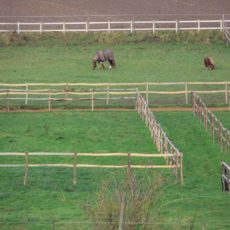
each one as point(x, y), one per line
point(50, 200)
point(145, 62)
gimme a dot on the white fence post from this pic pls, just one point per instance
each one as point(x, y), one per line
point(40, 27)
point(153, 26)
point(63, 27)
point(131, 26)
point(118, 26)
point(198, 24)
point(109, 26)
point(87, 26)
point(18, 27)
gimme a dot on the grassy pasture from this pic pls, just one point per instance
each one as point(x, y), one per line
point(50, 200)
point(199, 203)
point(152, 62)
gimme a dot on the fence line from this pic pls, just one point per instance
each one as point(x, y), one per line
point(225, 178)
point(226, 31)
point(174, 165)
point(162, 142)
point(211, 123)
point(111, 26)
point(53, 92)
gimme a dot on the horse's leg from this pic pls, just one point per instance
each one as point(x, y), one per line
point(111, 64)
point(102, 65)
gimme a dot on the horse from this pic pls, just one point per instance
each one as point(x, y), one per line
point(102, 56)
point(209, 63)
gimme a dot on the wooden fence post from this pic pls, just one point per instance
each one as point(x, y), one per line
point(213, 129)
point(226, 92)
point(122, 208)
point(27, 88)
point(49, 101)
point(74, 168)
point(147, 93)
point(186, 93)
point(92, 102)
point(26, 168)
point(7, 101)
point(66, 93)
point(177, 164)
point(181, 169)
point(107, 93)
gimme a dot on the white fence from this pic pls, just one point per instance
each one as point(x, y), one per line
point(110, 26)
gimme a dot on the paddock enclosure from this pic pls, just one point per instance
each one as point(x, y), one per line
point(108, 95)
point(71, 137)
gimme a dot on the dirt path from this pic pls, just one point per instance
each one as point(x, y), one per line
point(120, 9)
point(157, 109)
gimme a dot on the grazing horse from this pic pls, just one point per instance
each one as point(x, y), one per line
point(209, 63)
point(102, 56)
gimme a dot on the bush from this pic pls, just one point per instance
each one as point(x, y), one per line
point(113, 38)
point(129, 204)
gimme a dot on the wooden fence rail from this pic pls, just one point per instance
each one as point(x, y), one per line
point(103, 91)
point(225, 178)
point(173, 165)
point(111, 26)
point(211, 123)
point(164, 145)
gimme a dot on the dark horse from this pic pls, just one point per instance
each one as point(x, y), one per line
point(209, 63)
point(102, 56)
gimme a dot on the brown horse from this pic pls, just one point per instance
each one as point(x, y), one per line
point(102, 56)
point(209, 63)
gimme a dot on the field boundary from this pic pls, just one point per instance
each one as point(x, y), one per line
point(49, 93)
point(225, 178)
point(166, 149)
point(113, 26)
point(216, 129)
point(171, 164)
point(162, 142)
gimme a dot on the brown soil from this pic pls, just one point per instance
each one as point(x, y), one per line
point(50, 10)
point(157, 109)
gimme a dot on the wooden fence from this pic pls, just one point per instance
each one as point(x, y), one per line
point(225, 178)
point(211, 123)
point(111, 26)
point(164, 145)
point(32, 93)
point(174, 163)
